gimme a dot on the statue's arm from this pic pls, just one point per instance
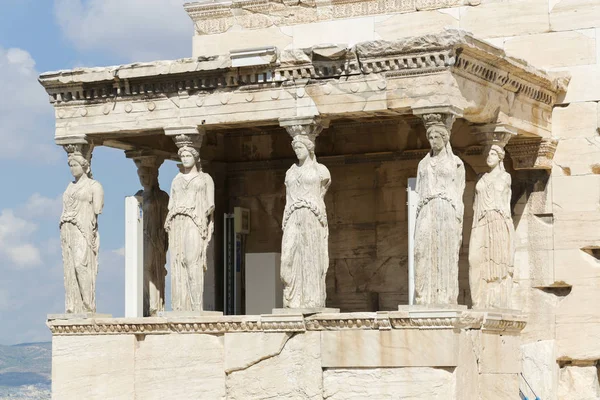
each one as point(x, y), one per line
point(164, 211)
point(419, 177)
point(97, 198)
point(325, 179)
point(460, 188)
point(210, 196)
point(209, 201)
point(170, 202)
point(508, 194)
point(476, 201)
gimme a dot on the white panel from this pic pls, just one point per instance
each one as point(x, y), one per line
point(134, 258)
point(413, 200)
point(264, 290)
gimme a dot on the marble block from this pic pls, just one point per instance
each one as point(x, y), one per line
point(53, 317)
point(306, 311)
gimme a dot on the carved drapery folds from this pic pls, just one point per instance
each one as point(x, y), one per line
point(304, 247)
point(438, 230)
point(155, 206)
point(491, 246)
point(189, 222)
point(83, 201)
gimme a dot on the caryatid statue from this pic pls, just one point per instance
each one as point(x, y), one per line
point(491, 247)
point(189, 224)
point(155, 207)
point(304, 247)
point(438, 230)
point(82, 202)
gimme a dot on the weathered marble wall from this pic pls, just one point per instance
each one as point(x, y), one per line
point(436, 354)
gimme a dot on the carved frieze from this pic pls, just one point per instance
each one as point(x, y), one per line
point(211, 18)
point(382, 320)
point(534, 153)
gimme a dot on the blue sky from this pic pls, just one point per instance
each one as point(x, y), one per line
point(45, 35)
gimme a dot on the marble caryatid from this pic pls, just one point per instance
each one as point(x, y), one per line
point(189, 224)
point(304, 247)
point(438, 230)
point(491, 247)
point(155, 207)
point(82, 202)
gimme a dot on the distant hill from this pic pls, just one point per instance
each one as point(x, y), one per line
point(25, 371)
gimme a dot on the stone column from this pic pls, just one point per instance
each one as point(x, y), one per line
point(304, 247)
point(155, 207)
point(438, 229)
point(491, 246)
point(83, 201)
point(189, 222)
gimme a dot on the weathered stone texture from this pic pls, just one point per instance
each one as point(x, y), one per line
point(498, 386)
point(347, 31)
point(389, 383)
point(579, 382)
point(367, 347)
point(180, 365)
point(93, 367)
point(500, 354)
point(420, 23)
point(541, 308)
point(540, 369)
point(506, 18)
point(574, 14)
point(467, 371)
point(554, 49)
point(578, 321)
point(580, 155)
point(294, 374)
point(575, 120)
point(244, 349)
point(584, 84)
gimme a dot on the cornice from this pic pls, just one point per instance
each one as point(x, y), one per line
point(441, 319)
point(453, 51)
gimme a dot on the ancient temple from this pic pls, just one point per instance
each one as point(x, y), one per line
point(374, 93)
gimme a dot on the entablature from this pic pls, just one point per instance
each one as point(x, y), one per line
point(374, 79)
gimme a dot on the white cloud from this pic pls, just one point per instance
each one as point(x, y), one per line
point(15, 241)
point(134, 30)
point(13, 227)
point(4, 300)
point(120, 252)
point(42, 206)
point(24, 255)
point(51, 246)
point(26, 117)
point(18, 226)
